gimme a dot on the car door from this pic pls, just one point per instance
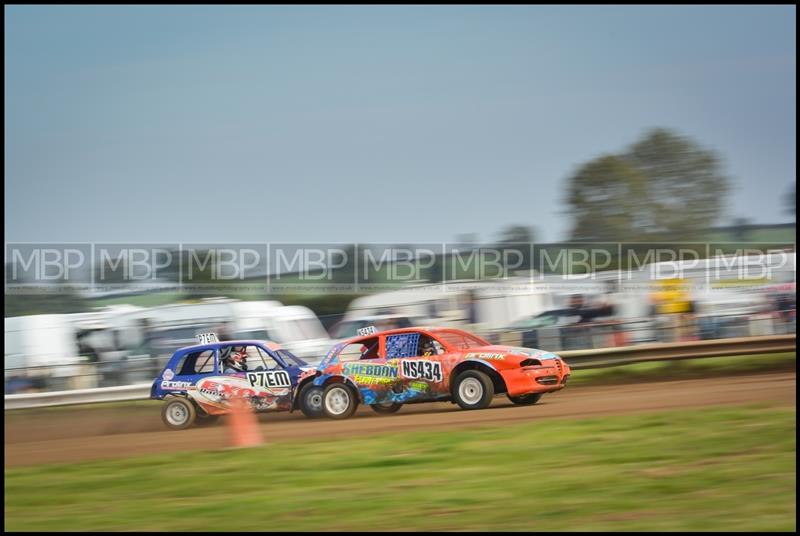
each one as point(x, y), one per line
point(269, 379)
point(363, 363)
point(420, 371)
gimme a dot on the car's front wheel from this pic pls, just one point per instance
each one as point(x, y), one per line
point(473, 389)
point(178, 414)
point(386, 408)
point(339, 401)
point(311, 401)
point(525, 400)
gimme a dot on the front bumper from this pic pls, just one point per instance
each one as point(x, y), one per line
point(538, 379)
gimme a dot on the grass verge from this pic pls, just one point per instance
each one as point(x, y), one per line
point(713, 469)
point(686, 369)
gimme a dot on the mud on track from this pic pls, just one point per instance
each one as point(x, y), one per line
point(87, 434)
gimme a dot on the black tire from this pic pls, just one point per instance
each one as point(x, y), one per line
point(473, 389)
point(310, 401)
point(386, 409)
point(178, 414)
point(525, 400)
point(339, 401)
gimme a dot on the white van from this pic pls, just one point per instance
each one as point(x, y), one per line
point(494, 303)
point(294, 327)
point(43, 347)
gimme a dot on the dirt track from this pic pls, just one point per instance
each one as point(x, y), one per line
point(98, 434)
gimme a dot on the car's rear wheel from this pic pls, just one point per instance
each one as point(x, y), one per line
point(386, 407)
point(525, 400)
point(339, 401)
point(178, 414)
point(473, 389)
point(311, 401)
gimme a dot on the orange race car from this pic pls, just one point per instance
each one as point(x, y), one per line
point(388, 369)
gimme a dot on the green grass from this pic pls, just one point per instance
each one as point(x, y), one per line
point(686, 369)
point(707, 469)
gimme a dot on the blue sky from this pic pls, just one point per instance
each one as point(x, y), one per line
point(372, 124)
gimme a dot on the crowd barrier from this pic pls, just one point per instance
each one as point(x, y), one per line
point(577, 359)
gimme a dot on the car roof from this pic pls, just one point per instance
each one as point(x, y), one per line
point(222, 344)
point(432, 330)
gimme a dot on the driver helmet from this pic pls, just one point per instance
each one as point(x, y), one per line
point(238, 359)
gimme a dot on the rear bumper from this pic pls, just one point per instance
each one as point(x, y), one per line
point(541, 379)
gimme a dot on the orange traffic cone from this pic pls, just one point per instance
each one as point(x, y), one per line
point(243, 424)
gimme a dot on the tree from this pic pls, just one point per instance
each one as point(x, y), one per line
point(790, 201)
point(739, 228)
point(517, 234)
point(664, 187)
point(604, 196)
point(517, 238)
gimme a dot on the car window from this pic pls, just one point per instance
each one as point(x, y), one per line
point(258, 359)
point(367, 349)
point(567, 320)
point(404, 344)
point(460, 341)
point(290, 358)
point(525, 323)
point(201, 362)
point(255, 358)
point(546, 320)
point(428, 346)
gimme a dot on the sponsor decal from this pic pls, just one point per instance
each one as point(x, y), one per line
point(168, 374)
point(179, 386)
point(371, 380)
point(269, 379)
point(418, 386)
point(482, 355)
point(221, 389)
point(422, 369)
point(361, 369)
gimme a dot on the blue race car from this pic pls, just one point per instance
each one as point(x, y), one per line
point(200, 382)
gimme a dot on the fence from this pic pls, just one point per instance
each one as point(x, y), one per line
point(578, 360)
point(134, 369)
point(665, 328)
